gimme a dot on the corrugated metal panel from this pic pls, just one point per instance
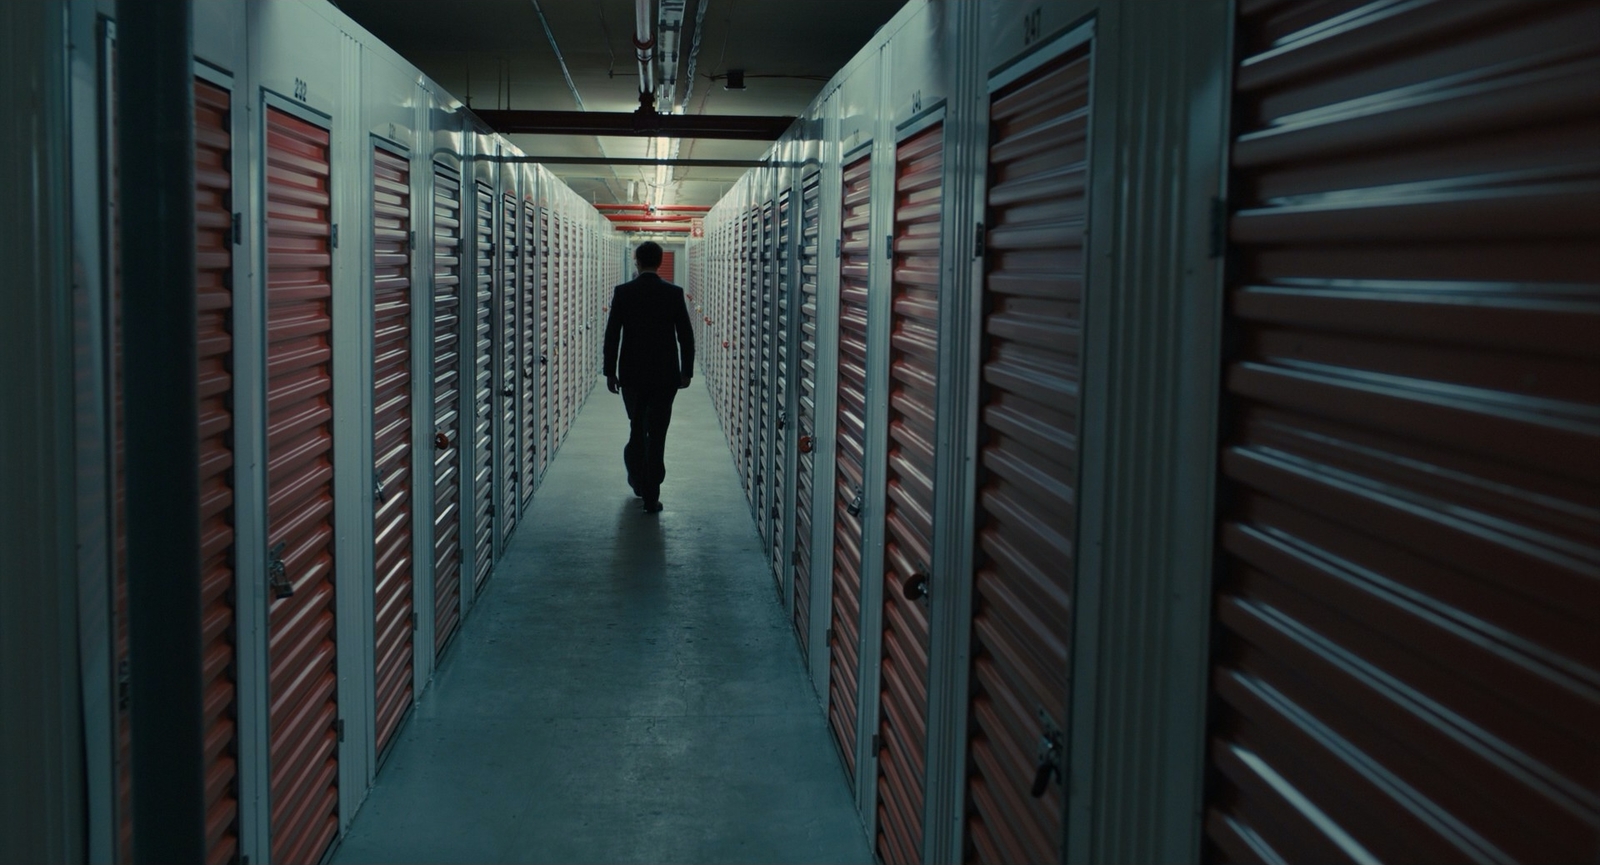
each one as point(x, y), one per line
point(751, 324)
point(302, 679)
point(214, 349)
point(780, 394)
point(669, 268)
point(1028, 462)
point(391, 440)
point(529, 300)
point(908, 516)
point(850, 447)
point(767, 414)
point(506, 336)
point(483, 420)
point(806, 399)
point(1406, 665)
point(546, 334)
point(447, 427)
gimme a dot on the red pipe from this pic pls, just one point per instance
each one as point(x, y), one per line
point(669, 228)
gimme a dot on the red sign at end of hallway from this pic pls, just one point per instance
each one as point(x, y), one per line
point(697, 228)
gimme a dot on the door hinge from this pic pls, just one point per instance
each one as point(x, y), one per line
point(827, 636)
point(414, 621)
point(124, 684)
point(877, 743)
point(338, 727)
point(238, 229)
point(980, 241)
point(888, 246)
point(794, 557)
point(333, 236)
point(838, 247)
point(1219, 226)
point(411, 240)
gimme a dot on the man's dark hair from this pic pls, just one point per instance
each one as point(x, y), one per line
point(648, 255)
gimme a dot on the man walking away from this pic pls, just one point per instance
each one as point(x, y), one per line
point(651, 323)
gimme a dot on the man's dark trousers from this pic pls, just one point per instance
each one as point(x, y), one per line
point(649, 415)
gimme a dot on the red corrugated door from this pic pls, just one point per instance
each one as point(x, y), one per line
point(447, 427)
point(214, 343)
point(1025, 555)
point(302, 679)
point(780, 392)
point(750, 325)
point(908, 515)
point(391, 440)
point(806, 400)
point(766, 414)
point(844, 643)
point(546, 335)
point(506, 335)
point(1407, 600)
point(669, 268)
point(483, 420)
point(527, 320)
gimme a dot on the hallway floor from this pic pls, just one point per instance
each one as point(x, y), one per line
point(628, 689)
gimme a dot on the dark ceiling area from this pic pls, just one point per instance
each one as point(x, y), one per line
point(497, 54)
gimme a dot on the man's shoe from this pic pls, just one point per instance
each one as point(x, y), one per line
point(652, 506)
point(633, 485)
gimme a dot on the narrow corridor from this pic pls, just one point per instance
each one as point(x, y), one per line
point(629, 690)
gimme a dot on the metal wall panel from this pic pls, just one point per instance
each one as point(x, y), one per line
point(908, 516)
point(546, 334)
point(302, 688)
point(765, 348)
point(850, 448)
point(1405, 605)
point(214, 350)
point(507, 259)
point(806, 415)
point(449, 430)
point(483, 420)
point(1028, 462)
point(391, 449)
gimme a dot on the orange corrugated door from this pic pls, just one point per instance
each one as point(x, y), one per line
point(781, 367)
point(1407, 598)
point(483, 420)
point(506, 335)
point(668, 267)
point(447, 427)
point(546, 335)
point(806, 399)
point(391, 440)
point(527, 320)
point(908, 515)
point(302, 680)
point(214, 343)
point(1025, 555)
point(844, 642)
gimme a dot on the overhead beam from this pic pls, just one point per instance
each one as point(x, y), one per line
point(636, 124)
point(646, 161)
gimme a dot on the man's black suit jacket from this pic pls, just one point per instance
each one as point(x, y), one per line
point(650, 321)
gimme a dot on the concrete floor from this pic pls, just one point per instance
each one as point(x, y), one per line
point(627, 690)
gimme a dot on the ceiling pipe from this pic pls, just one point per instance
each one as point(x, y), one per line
point(637, 124)
point(674, 229)
point(669, 30)
point(671, 208)
point(644, 44)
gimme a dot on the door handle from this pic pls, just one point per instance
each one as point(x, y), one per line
point(278, 573)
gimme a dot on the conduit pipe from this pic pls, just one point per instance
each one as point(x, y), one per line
point(672, 208)
point(644, 44)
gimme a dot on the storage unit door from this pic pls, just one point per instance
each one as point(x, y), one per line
point(303, 744)
point(1024, 552)
point(391, 440)
point(1408, 591)
point(483, 419)
point(668, 270)
point(506, 335)
point(780, 393)
point(214, 350)
point(750, 344)
point(546, 330)
point(766, 348)
point(908, 516)
point(448, 430)
point(528, 375)
point(806, 402)
point(850, 446)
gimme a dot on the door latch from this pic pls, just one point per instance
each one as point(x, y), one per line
point(915, 588)
point(857, 503)
point(278, 573)
point(783, 419)
point(378, 491)
point(1049, 758)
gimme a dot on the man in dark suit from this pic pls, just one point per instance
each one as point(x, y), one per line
point(651, 323)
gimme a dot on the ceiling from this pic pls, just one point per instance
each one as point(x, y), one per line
point(495, 54)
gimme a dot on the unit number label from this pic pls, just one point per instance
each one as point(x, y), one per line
point(1032, 24)
point(300, 89)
